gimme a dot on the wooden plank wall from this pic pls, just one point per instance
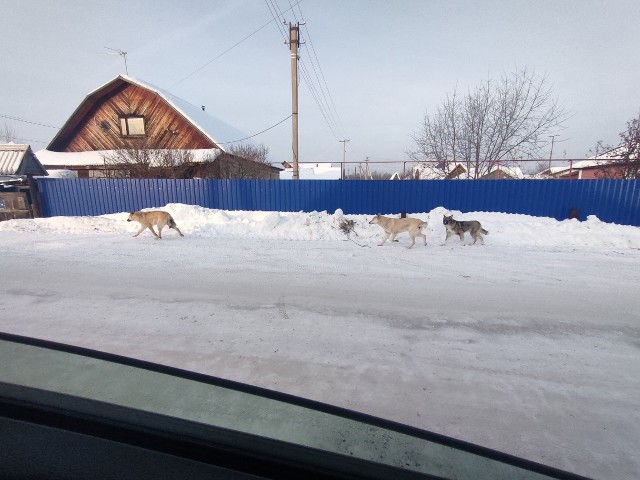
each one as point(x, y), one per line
point(165, 128)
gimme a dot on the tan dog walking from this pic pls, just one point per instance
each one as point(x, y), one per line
point(149, 219)
point(394, 226)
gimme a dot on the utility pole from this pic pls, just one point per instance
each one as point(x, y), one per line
point(294, 42)
point(344, 154)
point(553, 138)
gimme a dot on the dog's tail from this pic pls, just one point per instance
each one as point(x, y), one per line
point(171, 223)
point(484, 231)
point(423, 225)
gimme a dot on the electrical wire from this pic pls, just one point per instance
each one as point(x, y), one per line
point(27, 121)
point(321, 95)
point(226, 51)
point(338, 123)
point(256, 134)
point(275, 12)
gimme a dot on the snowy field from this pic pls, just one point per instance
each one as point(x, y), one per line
point(529, 344)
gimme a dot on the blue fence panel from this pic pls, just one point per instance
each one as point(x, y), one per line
point(615, 201)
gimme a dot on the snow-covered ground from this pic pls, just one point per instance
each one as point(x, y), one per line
point(529, 344)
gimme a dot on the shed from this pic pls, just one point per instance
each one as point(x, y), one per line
point(19, 196)
point(17, 159)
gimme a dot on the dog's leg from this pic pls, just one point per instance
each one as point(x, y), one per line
point(175, 227)
point(393, 237)
point(424, 237)
point(384, 239)
point(461, 238)
point(154, 232)
point(142, 227)
point(413, 240)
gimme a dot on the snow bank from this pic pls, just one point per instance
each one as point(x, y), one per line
point(504, 229)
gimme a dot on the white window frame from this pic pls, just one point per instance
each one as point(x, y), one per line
point(132, 126)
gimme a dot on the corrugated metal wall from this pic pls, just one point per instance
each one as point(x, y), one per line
point(616, 201)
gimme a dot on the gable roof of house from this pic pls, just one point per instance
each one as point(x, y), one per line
point(18, 159)
point(217, 131)
point(616, 153)
point(596, 161)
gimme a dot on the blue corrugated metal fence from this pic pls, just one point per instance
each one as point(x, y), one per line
point(616, 201)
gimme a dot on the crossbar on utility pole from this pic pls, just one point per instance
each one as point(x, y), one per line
point(344, 154)
point(294, 42)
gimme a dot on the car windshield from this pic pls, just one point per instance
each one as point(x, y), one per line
point(150, 388)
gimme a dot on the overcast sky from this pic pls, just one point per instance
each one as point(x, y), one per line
point(381, 65)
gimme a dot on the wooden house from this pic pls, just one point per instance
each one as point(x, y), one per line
point(128, 114)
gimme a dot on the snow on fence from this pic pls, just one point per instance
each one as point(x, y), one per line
point(615, 201)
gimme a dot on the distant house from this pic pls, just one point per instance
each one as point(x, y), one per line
point(458, 171)
point(610, 164)
point(129, 114)
point(18, 192)
point(311, 171)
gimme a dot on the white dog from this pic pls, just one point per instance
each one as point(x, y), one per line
point(394, 226)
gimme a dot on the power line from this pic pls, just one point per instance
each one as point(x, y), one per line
point(226, 51)
point(256, 134)
point(321, 95)
point(314, 94)
point(324, 81)
point(27, 121)
point(276, 12)
point(31, 141)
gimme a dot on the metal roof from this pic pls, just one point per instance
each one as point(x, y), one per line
point(11, 156)
point(218, 131)
point(18, 159)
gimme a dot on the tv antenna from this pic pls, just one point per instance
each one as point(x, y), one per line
point(122, 54)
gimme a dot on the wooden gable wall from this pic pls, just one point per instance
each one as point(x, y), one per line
point(98, 125)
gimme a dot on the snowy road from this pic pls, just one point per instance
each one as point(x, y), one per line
point(531, 350)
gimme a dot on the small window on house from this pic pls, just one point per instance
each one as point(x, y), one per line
point(132, 126)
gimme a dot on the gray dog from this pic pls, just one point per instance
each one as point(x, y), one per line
point(457, 227)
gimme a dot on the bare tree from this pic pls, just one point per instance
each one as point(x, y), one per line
point(625, 158)
point(371, 175)
point(255, 153)
point(7, 134)
point(149, 163)
point(498, 121)
point(244, 161)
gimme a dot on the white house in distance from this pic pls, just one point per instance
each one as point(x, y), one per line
point(451, 171)
point(311, 171)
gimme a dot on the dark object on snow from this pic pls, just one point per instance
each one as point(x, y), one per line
point(573, 213)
